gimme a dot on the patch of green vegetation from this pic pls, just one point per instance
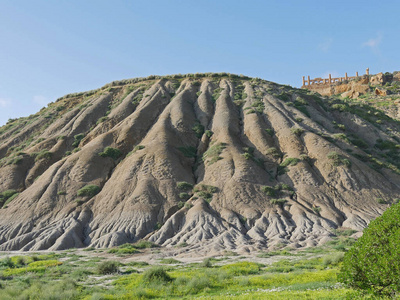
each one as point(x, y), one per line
point(156, 275)
point(269, 131)
point(101, 120)
point(77, 139)
point(297, 131)
point(183, 185)
point(284, 97)
point(198, 129)
point(277, 201)
point(108, 267)
point(338, 160)
point(170, 261)
point(258, 106)
point(184, 196)
point(124, 249)
point(188, 151)
point(290, 161)
point(111, 152)
point(371, 264)
point(143, 244)
point(42, 155)
point(216, 94)
point(269, 191)
point(209, 133)
point(213, 153)
point(89, 191)
point(6, 195)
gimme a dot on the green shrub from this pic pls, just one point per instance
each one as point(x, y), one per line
point(7, 196)
point(44, 154)
point(270, 131)
point(89, 191)
point(269, 191)
point(77, 139)
point(101, 120)
point(273, 151)
point(170, 261)
point(297, 131)
point(156, 274)
point(213, 153)
point(372, 263)
point(184, 196)
point(144, 244)
point(209, 133)
point(183, 185)
point(108, 267)
point(338, 160)
point(111, 152)
point(198, 129)
point(206, 263)
point(381, 201)
point(278, 201)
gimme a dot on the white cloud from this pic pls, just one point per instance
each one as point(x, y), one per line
point(325, 45)
point(4, 102)
point(374, 43)
point(41, 100)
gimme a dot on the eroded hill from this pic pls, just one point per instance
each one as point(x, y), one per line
point(206, 162)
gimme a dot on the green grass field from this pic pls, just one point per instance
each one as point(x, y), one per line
point(104, 274)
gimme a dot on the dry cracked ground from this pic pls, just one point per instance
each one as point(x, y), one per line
point(206, 162)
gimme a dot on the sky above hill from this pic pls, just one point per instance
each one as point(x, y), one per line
point(52, 48)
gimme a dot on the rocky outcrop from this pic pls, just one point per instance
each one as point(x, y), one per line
point(213, 163)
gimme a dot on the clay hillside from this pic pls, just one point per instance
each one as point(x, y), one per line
point(206, 162)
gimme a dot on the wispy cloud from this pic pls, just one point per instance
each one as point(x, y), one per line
point(41, 100)
point(374, 43)
point(5, 102)
point(325, 45)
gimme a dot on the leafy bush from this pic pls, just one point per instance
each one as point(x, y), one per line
point(269, 191)
point(156, 274)
point(144, 244)
point(198, 129)
point(184, 196)
point(89, 191)
point(372, 263)
point(170, 261)
point(183, 185)
point(278, 201)
point(108, 267)
point(111, 152)
point(77, 139)
point(297, 131)
point(209, 133)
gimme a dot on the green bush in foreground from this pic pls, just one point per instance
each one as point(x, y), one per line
point(156, 274)
point(373, 262)
point(108, 267)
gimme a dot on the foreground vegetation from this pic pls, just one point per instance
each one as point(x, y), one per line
point(113, 274)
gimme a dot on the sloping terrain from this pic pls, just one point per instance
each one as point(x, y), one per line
point(206, 162)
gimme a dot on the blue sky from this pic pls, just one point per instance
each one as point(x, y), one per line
point(51, 48)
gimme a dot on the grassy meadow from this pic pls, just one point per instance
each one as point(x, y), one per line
point(141, 271)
